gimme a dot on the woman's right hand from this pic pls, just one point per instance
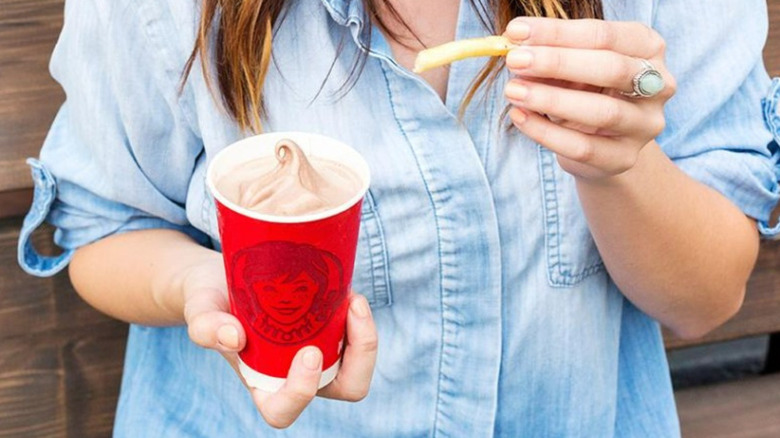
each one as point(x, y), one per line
point(210, 325)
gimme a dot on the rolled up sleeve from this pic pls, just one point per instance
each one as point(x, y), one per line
point(121, 151)
point(716, 131)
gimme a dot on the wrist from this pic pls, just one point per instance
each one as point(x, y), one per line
point(651, 164)
point(175, 280)
point(199, 272)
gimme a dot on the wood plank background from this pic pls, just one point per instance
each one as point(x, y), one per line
point(772, 50)
point(742, 409)
point(60, 361)
point(29, 97)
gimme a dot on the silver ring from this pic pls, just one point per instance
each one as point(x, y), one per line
point(647, 82)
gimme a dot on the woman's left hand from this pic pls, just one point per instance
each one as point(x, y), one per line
point(211, 325)
point(573, 72)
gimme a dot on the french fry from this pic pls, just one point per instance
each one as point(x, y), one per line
point(456, 50)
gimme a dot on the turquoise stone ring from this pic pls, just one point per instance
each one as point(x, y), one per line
point(647, 83)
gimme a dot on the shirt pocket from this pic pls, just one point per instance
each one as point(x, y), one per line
point(570, 250)
point(371, 276)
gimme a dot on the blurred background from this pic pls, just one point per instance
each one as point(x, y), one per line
point(61, 361)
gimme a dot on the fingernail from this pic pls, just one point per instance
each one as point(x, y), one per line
point(518, 31)
point(519, 58)
point(360, 308)
point(518, 116)
point(515, 91)
point(227, 336)
point(312, 359)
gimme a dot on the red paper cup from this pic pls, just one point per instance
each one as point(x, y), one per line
point(288, 276)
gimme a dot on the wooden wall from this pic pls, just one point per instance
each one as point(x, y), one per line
point(29, 98)
point(60, 361)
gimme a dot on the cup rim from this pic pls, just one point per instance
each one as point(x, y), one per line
point(362, 171)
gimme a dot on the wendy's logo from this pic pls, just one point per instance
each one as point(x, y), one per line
point(287, 291)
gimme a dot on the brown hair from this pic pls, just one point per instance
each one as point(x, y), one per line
point(244, 32)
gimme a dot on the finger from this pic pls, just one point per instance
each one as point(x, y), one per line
point(605, 113)
point(605, 154)
point(601, 68)
point(281, 408)
point(628, 38)
point(210, 325)
point(357, 366)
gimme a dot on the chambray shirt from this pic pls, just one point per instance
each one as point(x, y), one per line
point(495, 313)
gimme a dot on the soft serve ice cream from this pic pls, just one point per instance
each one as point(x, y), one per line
point(288, 183)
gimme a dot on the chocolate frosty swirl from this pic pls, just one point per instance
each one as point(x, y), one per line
point(292, 187)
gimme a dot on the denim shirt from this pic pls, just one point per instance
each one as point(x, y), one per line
point(495, 313)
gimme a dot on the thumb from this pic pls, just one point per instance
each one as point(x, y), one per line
point(210, 325)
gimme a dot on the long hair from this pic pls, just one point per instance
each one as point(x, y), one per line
point(244, 35)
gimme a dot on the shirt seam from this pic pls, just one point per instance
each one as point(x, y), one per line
point(556, 275)
point(438, 244)
point(370, 253)
point(151, 35)
point(385, 297)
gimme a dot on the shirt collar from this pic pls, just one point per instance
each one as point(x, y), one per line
point(345, 12)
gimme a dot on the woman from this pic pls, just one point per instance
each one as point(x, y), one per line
point(516, 264)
